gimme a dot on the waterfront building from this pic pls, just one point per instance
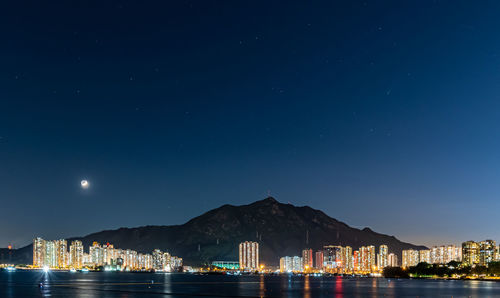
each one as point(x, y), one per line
point(318, 260)
point(231, 265)
point(470, 253)
point(291, 264)
point(452, 253)
point(144, 261)
point(382, 260)
point(130, 260)
point(347, 259)
point(487, 252)
point(437, 254)
point(249, 255)
point(286, 264)
point(176, 263)
point(38, 252)
point(410, 258)
point(157, 260)
point(367, 258)
point(356, 260)
point(424, 256)
point(50, 255)
point(96, 253)
point(167, 262)
point(297, 264)
point(307, 258)
point(332, 257)
point(76, 254)
point(392, 260)
point(445, 253)
point(109, 254)
point(61, 247)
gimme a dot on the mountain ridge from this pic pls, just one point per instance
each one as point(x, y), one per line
point(281, 229)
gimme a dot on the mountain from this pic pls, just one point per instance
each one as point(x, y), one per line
point(281, 230)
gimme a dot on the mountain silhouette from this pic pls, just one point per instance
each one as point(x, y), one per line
point(281, 230)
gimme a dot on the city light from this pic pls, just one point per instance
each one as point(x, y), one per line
point(56, 255)
point(331, 259)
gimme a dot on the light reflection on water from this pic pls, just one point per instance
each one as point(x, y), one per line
point(307, 287)
point(65, 284)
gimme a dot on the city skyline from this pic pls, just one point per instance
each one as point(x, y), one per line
point(56, 254)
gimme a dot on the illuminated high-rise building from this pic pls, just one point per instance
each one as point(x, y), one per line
point(347, 259)
point(356, 261)
point(286, 264)
point(438, 254)
point(367, 258)
point(410, 258)
point(167, 262)
point(297, 264)
point(332, 257)
point(145, 261)
point(50, 254)
point(249, 255)
point(109, 254)
point(96, 253)
point(487, 252)
point(61, 247)
point(444, 254)
point(424, 256)
point(39, 252)
point(76, 254)
point(176, 263)
point(470, 253)
point(363, 258)
point(328, 256)
point(318, 260)
point(307, 258)
point(452, 253)
point(372, 258)
point(157, 260)
point(130, 260)
point(383, 253)
point(392, 260)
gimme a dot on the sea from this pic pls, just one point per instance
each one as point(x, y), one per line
point(127, 285)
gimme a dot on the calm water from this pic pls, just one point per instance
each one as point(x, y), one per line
point(124, 285)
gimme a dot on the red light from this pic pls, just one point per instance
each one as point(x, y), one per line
point(9, 247)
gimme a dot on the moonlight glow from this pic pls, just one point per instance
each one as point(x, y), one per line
point(85, 184)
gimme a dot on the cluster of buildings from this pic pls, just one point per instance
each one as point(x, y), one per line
point(470, 254)
point(331, 258)
point(367, 259)
point(480, 253)
point(56, 255)
point(340, 259)
point(436, 255)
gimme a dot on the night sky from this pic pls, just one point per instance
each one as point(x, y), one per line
point(381, 113)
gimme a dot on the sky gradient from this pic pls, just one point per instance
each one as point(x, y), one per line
point(383, 114)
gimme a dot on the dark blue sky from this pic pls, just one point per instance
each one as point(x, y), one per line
point(381, 113)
